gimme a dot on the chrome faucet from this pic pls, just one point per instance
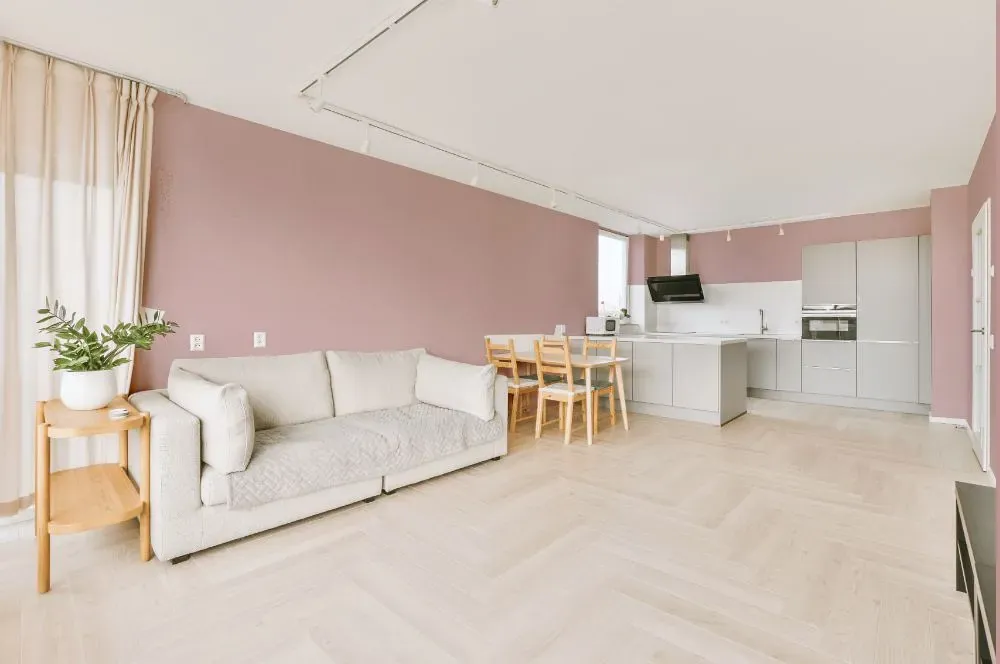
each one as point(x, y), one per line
point(763, 325)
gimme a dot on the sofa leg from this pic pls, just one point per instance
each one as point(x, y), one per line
point(180, 559)
point(389, 493)
point(371, 500)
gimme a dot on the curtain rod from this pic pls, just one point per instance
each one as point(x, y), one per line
point(167, 91)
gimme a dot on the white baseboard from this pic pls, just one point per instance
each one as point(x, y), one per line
point(954, 421)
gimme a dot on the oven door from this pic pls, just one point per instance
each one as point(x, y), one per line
point(830, 328)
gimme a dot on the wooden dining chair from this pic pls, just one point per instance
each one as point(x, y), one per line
point(503, 358)
point(601, 386)
point(552, 358)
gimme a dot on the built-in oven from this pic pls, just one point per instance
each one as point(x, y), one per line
point(832, 322)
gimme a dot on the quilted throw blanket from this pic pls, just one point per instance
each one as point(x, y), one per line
point(295, 460)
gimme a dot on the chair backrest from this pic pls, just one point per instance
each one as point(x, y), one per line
point(552, 358)
point(505, 359)
point(610, 345)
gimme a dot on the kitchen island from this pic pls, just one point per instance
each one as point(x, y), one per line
point(685, 377)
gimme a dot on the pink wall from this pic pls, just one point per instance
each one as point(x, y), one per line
point(252, 229)
point(951, 302)
point(641, 259)
point(760, 254)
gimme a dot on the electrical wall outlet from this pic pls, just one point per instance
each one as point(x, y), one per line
point(560, 331)
point(260, 339)
point(198, 342)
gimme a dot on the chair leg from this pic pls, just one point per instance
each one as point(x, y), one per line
point(538, 417)
point(562, 416)
point(611, 406)
point(569, 421)
point(597, 409)
point(515, 411)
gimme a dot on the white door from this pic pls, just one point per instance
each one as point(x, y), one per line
point(981, 338)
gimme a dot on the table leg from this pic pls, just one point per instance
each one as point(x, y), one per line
point(42, 504)
point(123, 449)
point(590, 407)
point(145, 548)
point(621, 394)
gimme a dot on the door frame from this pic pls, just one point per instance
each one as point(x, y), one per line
point(986, 212)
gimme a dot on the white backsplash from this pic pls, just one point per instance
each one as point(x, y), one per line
point(734, 309)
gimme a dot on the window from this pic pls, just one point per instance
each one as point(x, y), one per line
point(612, 275)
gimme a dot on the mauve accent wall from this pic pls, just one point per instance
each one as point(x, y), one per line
point(760, 254)
point(641, 259)
point(253, 229)
point(951, 303)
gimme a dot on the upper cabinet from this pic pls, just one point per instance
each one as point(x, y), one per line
point(829, 274)
point(889, 290)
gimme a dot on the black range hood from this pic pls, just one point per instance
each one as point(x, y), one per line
point(682, 288)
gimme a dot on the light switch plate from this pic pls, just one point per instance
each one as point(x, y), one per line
point(260, 339)
point(560, 331)
point(197, 342)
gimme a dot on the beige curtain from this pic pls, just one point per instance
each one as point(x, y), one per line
point(74, 181)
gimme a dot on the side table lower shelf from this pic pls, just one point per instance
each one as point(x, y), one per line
point(91, 497)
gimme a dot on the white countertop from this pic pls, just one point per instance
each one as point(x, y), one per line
point(694, 339)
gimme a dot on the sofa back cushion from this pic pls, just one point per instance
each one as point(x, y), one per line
point(457, 386)
point(373, 381)
point(227, 431)
point(283, 389)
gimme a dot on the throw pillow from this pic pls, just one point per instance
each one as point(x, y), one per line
point(372, 381)
point(227, 430)
point(463, 387)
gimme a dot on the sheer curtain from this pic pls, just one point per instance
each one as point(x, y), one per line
point(74, 180)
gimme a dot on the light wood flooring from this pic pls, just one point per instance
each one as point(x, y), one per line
point(796, 534)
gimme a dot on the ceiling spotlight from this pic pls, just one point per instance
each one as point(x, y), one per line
point(662, 237)
point(729, 236)
point(367, 142)
point(318, 102)
point(781, 229)
point(475, 176)
point(552, 201)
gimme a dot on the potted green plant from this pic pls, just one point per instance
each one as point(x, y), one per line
point(87, 359)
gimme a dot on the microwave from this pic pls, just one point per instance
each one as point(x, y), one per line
point(602, 326)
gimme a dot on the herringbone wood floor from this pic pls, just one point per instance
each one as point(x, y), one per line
point(795, 534)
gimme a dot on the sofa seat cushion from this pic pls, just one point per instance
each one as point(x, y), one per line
point(214, 487)
point(424, 432)
point(299, 459)
point(268, 381)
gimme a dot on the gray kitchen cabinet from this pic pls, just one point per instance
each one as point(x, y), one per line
point(652, 373)
point(924, 388)
point(829, 274)
point(789, 366)
point(888, 371)
point(762, 364)
point(889, 290)
point(697, 376)
point(833, 382)
point(625, 350)
point(829, 354)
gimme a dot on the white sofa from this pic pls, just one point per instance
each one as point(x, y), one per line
point(309, 456)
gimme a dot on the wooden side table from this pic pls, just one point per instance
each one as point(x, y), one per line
point(72, 501)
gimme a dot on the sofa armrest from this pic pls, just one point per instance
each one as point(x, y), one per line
point(500, 398)
point(175, 457)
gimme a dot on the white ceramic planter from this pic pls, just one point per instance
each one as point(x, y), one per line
point(87, 390)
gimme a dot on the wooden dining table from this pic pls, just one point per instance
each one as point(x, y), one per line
point(587, 363)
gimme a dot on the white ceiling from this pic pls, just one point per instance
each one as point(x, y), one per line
point(697, 114)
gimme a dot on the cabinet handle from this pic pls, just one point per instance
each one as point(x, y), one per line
point(979, 331)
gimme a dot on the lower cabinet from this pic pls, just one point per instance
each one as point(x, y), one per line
point(833, 382)
point(697, 368)
point(652, 373)
point(889, 371)
point(625, 350)
point(789, 378)
point(762, 364)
